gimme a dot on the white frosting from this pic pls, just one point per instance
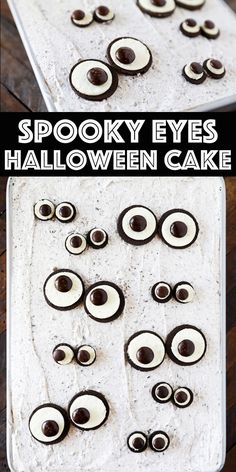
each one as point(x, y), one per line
point(210, 31)
point(168, 387)
point(108, 17)
point(191, 292)
point(63, 299)
point(39, 204)
point(94, 405)
point(162, 284)
point(142, 54)
point(139, 235)
point(146, 340)
point(46, 413)
point(99, 243)
point(149, 6)
point(189, 72)
point(80, 80)
point(88, 18)
point(57, 211)
point(69, 354)
point(185, 390)
point(190, 29)
point(183, 217)
point(136, 436)
point(91, 351)
point(194, 336)
point(213, 69)
point(102, 312)
point(76, 250)
point(191, 3)
point(162, 436)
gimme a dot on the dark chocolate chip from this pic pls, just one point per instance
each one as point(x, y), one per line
point(145, 355)
point(159, 3)
point(161, 291)
point(76, 241)
point(65, 211)
point(59, 355)
point(78, 15)
point(138, 443)
point(97, 76)
point(197, 69)
point(125, 55)
point(83, 356)
point(50, 428)
point(81, 416)
point(103, 11)
point(45, 210)
point(179, 229)
point(190, 22)
point(186, 348)
point(159, 443)
point(138, 223)
point(182, 294)
point(209, 24)
point(98, 297)
point(162, 392)
point(181, 397)
point(97, 236)
point(216, 64)
point(63, 283)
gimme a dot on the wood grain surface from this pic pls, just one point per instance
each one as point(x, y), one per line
point(230, 465)
point(19, 89)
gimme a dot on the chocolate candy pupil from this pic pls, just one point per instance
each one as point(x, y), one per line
point(125, 55)
point(78, 15)
point(186, 348)
point(103, 11)
point(138, 443)
point(45, 210)
point(63, 283)
point(216, 64)
point(181, 397)
point(97, 76)
point(83, 355)
point(162, 291)
point(59, 355)
point(98, 297)
point(209, 24)
point(182, 294)
point(145, 355)
point(191, 22)
point(178, 229)
point(65, 211)
point(50, 428)
point(138, 223)
point(162, 392)
point(98, 236)
point(81, 416)
point(76, 241)
point(197, 69)
point(159, 3)
point(159, 443)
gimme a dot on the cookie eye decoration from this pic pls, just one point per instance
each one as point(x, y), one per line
point(44, 210)
point(85, 355)
point(103, 14)
point(162, 292)
point(65, 212)
point(97, 238)
point(194, 73)
point(93, 80)
point(214, 68)
point(190, 28)
point(88, 410)
point(75, 243)
point(129, 56)
point(178, 229)
point(63, 354)
point(137, 441)
point(145, 350)
point(190, 4)
point(104, 301)
point(159, 441)
point(137, 225)
point(184, 292)
point(157, 8)
point(210, 30)
point(49, 424)
point(183, 397)
point(81, 19)
point(162, 392)
point(63, 289)
point(186, 345)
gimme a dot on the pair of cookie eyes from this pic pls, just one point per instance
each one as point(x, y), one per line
point(76, 243)
point(100, 14)
point(181, 397)
point(64, 354)
point(183, 292)
point(45, 210)
point(138, 441)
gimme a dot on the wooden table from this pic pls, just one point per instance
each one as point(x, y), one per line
point(230, 465)
point(19, 89)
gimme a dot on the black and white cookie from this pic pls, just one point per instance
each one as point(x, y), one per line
point(94, 80)
point(63, 289)
point(183, 397)
point(104, 301)
point(145, 350)
point(88, 410)
point(129, 56)
point(75, 243)
point(190, 4)
point(210, 30)
point(97, 238)
point(137, 225)
point(157, 8)
point(65, 212)
point(85, 355)
point(214, 68)
point(194, 73)
point(186, 345)
point(137, 441)
point(162, 392)
point(81, 18)
point(63, 354)
point(49, 424)
point(159, 441)
point(44, 209)
point(190, 28)
point(184, 292)
point(178, 228)
point(162, 292)
point(103, 14)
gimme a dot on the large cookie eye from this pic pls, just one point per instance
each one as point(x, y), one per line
point(86, 355)
point(190, 4)
point(186, 345)
point(157, 8)
point(190, 28)
point(145, 350)
point(137, 225)
point(162, 392)
point(65, 212)
point(88, 410)
point(194, 73)
point(159, 441)
point(44, 210)
point(137, 441)
point(104, 301)
point(63, 354)
point(214, 68)
point(93, 80)
point(178, 228)
point(82, 19)
point(183, 397)
point(103, 14)
point(63, 289)
point(162, 292)
point(129, 56)
point(184, 292)
point(75, 243)
point(97, 238)
point(49, 424)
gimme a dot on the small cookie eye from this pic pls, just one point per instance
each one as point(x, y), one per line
point(157, 8)
point(159, 441)
point(49, 424)
point(162, 392)
point(137, 225)
point(94, 80)
point(194, 73)
point(210, 30)
point(86, 355)
point(178, 229)
point(184, 292)
point(103, 14)
point(183, 397)
point(63, 354)
point(81, 19)
point(186, 345)
point(214, 68)
point(63, 289)
point(104, 301)
point(189, 4)
point(145, 350)
point(190, 28)
point(75, 243)
point(137, 441)
point(65, 212)
point(162, 292)
point(44, 210)
point(97, 238)
point(88, 410)
point(129, 56)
